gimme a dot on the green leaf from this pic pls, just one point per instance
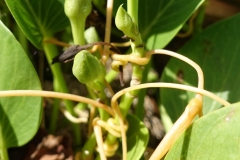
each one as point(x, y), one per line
point(160, 20)
point(214, 136)
point(19, 116)
point(216, 50)
point(137, 137)
point(38, 19)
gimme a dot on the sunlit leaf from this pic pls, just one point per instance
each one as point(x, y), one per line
point(215, 136)
point(19, 116)
point(216, 50)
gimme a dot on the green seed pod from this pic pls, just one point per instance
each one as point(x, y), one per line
point(125, 23)
point(75, 8)
point(87, 68)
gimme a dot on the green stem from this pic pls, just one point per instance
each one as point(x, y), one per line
point(89, 147)
point(3, 148)
point(125, 103)
point(110, 139)
point(4, 154)
point(98, 87)
point(200, 18)
point(98, 157)
point(78, 28)
point(77, 12)
point(55, 109)
point(22, 40)
point(137, 49)
point(77, 17)
point(132, 8)
point(141, 95)
point(54, 116)
point(60, 84)
point(91, 93)
point(111, 75)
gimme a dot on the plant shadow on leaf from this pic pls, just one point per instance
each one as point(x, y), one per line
point(186, 141)
point(215, 136)
point(216, 53)
point(7, 129)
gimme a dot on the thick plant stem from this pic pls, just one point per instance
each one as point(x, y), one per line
point(3, 154)
point(89, 147)
point(123, 22)
point(55, 109)
point(54, 116)
point(128, 23)
point(23, 40)
point(125, 103)
point(78, 28)
point(111, 75)
point(60, 84)
point(3, 148)
point(139, 111)
point(137, 49)
point(77, 12)
point(102, 98)
point(132, 8)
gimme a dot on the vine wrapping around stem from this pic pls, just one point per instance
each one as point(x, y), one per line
point(124, 59)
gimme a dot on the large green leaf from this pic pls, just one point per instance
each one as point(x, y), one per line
point(160, 20)
point(216, 50)
point(215, 136)
point(137, 138)
point(19, 116)
point(38, 18)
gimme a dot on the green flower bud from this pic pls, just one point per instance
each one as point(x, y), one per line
point(125, 23)
point(91, 35)
point(87, 68)
point(75, 8)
